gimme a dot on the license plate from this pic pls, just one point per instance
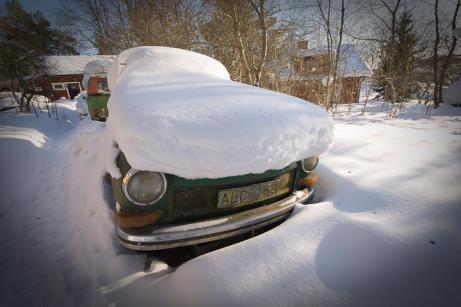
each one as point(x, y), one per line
point(231, 198)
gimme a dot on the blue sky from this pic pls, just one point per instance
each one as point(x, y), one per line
point(49, 8)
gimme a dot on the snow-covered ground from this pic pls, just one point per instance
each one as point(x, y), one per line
point(387, 229)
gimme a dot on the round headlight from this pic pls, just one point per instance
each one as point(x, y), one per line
point(309, 164)
point(143, 187)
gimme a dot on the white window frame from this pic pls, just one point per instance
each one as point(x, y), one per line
point(59, 86)
point(67, 90)
point(56, 86)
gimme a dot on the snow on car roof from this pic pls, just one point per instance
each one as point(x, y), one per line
point(96, 68)
point(71, 64)
point(151, 62)
point(177, 112)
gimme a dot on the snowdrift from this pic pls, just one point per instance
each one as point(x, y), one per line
point(177, 112)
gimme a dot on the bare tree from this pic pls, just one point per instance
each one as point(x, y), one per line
point(332, 20)
point(436, 53)
point(114, 25)
point(338, 51)
point(326, 17)
point(245, 35)
point(25, 39)
point(440, 75)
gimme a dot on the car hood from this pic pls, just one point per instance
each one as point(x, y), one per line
point(197, 125)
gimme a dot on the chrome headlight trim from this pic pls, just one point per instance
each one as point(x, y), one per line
point(309, 171)
point(126, 179)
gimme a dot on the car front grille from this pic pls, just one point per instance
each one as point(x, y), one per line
point(195, 203)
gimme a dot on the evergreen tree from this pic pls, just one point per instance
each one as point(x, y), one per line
point(25, 38)
point(398, 59)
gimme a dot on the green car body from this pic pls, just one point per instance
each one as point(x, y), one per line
point(97, 106)
point(194, 200)
point(191, 211)
point(97, 98)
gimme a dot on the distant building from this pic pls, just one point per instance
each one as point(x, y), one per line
point(307, 73)
point(64, 75)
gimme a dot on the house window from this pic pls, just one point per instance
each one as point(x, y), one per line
point(58, 86)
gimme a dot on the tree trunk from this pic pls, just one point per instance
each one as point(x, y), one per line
point(436, 56)
point(241, 47)
point(338, 49)
point(263, 25)
point(447, 60)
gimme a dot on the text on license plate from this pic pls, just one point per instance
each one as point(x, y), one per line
point(254, 193)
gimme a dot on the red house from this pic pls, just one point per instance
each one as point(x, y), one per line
point(64, 75)
point(307, 73)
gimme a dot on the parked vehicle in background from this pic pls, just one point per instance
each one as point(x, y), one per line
point(95, 83)
point(98, 95)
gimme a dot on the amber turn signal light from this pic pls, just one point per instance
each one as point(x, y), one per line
point(131, 220)
point(308, 181)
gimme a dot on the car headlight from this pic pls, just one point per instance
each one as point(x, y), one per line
point(309, 164)
point(143, 187)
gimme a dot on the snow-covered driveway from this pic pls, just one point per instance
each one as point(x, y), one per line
point(386, 232)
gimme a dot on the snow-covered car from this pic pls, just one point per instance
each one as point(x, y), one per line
point(95, 83)
point(195, 157)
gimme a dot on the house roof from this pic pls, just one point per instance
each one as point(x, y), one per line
point(351, 63)
point(71, 64)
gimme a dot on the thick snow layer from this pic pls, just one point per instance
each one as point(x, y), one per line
point(159, 64)
point(96, 68)
point(71, 64)
point(197, 124)
point(385, 232)
point(82, 103)
point(452, 94)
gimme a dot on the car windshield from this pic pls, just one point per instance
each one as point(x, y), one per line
point(103, 87)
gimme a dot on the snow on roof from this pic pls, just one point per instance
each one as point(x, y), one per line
point(177, 112)
point(71, 64)
point(351, 63)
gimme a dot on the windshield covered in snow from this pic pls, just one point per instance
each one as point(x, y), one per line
point(103, 88)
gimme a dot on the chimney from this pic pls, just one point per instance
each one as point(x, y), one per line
point(302, 44)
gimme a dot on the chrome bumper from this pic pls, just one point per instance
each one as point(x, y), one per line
point(212, 229)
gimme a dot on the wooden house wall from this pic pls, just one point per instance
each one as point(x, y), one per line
point(314, 91)
point(47, 90)
point(350, 90)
